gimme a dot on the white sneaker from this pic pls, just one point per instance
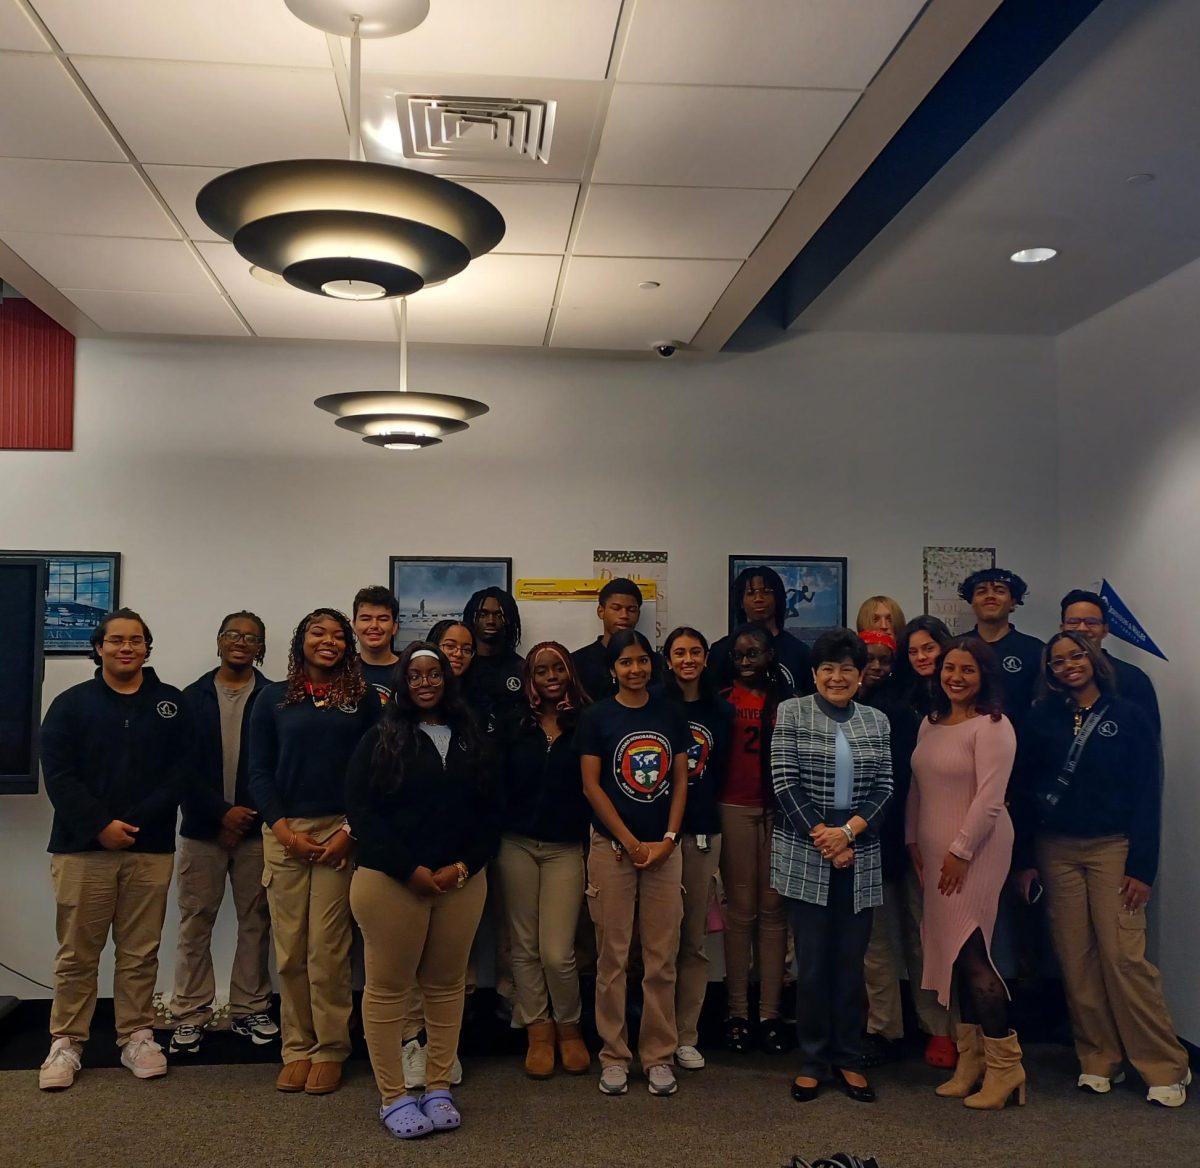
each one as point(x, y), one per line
point(662, 1080)
point(1098, 1084)
point(61, 1066)
point(1172, 1095)
point(185, 1039)
point(689, 1058)
point(259, 1028)
point(143, 1056)
point(412, 1057)
point(614, 1080)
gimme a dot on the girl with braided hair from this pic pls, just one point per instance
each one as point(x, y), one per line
point(303, 732)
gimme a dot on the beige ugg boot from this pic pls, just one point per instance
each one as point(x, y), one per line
point(1005, 1076)
point(539, 1060)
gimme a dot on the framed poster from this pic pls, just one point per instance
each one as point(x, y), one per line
point(944, 569)
point(22, 599)
point(814, 588)
point(608, 565)
point(80, 588)
point(434, 588)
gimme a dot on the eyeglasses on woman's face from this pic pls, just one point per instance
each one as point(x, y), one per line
point(1058, 664)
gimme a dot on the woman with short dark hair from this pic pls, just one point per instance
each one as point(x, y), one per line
point(1089, 801)
point(960, 837)
point(831, 767)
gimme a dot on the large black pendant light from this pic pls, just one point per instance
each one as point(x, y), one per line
point(351, 230)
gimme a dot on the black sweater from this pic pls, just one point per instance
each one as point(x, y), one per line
point(492, 687)
point(1115, 789)
point(204, 803)
point(298, 754)
point(439, 814)
point(108, 755)
point(790, 652)
point(543, 786)
point(888, 697)
point(1020, 657)
point(1134, 686)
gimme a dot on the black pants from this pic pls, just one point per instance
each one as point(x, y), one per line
point(831, 994)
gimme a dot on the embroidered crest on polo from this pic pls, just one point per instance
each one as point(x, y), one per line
point(348, 707)
point(1012, 664)
point(513, 683)
point(167, 709)
point(1107, 729)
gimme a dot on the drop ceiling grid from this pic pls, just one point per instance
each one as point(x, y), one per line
point(16, 30)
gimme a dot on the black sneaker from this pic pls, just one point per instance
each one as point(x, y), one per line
point(257, 1027)
point(186, 1039)
point(878, 1050)
point(773, 1036)
point(738, 1036)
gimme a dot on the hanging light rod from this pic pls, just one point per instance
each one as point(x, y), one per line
point(351, 230)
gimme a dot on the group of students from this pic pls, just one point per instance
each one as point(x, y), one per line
point(832, 787)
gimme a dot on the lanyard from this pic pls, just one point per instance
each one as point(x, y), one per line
point(1062, 784)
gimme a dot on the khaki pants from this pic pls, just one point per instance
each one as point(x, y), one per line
point(310, 917)
point(902, 911)
point(411, 940)
point(543, 889)
point(200, 879)
point(691, 967)
point(95, 891)
point(1113, 992)
point(755, 914)
point(615, 887)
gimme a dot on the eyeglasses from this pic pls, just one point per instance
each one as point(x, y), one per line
point(453, 650)
point(1086, 622)
point(233, 637)
point(1058, 664)
point(117, 642)
point(418, 679)
point(749, 655)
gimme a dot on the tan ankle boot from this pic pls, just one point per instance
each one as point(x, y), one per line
point(1005, 1075)
point(539, 1060)
point(572, 1050)
point(968, 1072)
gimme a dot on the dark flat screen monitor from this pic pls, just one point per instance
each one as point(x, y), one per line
point(22, 609)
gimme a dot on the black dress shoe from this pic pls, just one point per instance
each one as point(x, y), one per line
point(805, 1094)
point(858, 1094)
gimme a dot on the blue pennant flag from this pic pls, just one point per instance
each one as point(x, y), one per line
point(1124, 625)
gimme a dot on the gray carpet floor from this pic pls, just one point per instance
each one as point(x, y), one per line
point(737, 1113)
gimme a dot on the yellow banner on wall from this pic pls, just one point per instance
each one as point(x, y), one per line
point(538, 589)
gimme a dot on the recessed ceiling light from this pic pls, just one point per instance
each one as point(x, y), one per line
point(649, 285)
point(1140, 179)
point(1033, 255)
point(353, 290)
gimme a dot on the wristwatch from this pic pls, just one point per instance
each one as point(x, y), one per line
point(673, 836)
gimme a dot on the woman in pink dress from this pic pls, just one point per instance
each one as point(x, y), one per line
point(960, 838)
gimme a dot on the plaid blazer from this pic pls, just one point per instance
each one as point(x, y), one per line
point(802, 773)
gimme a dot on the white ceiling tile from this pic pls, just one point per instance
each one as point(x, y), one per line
point(497, 279)
point(78, 198)
point(17, 31)
point(691, 136)
point(693, 222)
point(537, 216)
point(103, 262)
point(497, 324)
point(814, 43)
point(158, 312)
point(179, 186)
point(55, 120)
point(600, 282)
point(625, 327)
point(577, 109)
point(219, 115)
point(255, 32)
point(520, 38)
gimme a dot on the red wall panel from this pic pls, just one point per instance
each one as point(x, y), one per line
point(37, 379)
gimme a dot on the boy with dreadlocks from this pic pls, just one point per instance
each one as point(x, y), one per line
point(221, 839)
point(302, 734)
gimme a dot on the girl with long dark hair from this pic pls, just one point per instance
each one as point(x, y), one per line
point(421, 792)
point(633, 751)
point(711, 720)
point(755, 914)
point(457, 642)
point(540, 862)
point(302, 733)
point(1089, 796)
point(960, 837)
point(919, 649)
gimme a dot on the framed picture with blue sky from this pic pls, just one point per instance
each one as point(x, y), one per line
point(434, 588)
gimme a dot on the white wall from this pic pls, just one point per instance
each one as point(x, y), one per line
point(208, 468)
point(1129, 482)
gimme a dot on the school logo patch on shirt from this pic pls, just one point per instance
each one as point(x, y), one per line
point(167, 709)
point(385, 694)
point(348, 707)
point(642, 764)
point(698, 752)
point(1012, 664)
point(1107, 729)
point(513, 683)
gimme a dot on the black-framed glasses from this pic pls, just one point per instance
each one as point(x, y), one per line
point(233, 637)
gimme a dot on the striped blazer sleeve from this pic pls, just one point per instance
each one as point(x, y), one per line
point(795, 804)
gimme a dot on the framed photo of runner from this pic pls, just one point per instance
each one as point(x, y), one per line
point(434, 588)
point(80, 588)
point(814, 590)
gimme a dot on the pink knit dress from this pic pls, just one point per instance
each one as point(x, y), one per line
point(956, 804)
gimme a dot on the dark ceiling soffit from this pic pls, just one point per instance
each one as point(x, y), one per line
point(1006, 52)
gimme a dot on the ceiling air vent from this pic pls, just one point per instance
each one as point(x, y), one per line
point(475, 129)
